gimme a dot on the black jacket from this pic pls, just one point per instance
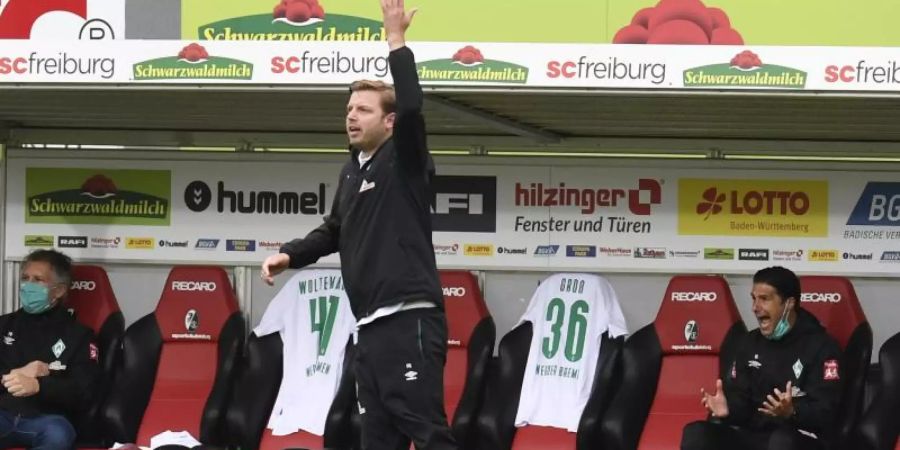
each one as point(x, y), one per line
point(380, 220)
point(762, 365)
point(41, 337)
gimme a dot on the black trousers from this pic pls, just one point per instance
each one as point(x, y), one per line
point(400, 381)
point(703, 435)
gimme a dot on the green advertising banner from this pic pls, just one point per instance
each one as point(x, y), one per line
point(97, 196)
point(734, 22)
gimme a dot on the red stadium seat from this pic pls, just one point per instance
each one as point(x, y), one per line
point(178, 362)
point(470, 346)
point(834, 302)
point(688, 346)
point(92, 301)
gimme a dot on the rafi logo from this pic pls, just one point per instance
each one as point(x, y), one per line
point(691, 331)
point(639, 201)
point(454, 291)
point(753, 254)
point(191, 320)
point(781, 208)
point(198, 197)
point(546, 250)
point(206, 244)
point(465, 204)
point(97, 196)
point(878, 205)
point(745, 69)
point(512, 251)
point(194, 286)
point(291, 20)
point(468, 64)
point(192, 63)
point(83, 285)
point(820, 297)
point(72, 241)
point(694, 296)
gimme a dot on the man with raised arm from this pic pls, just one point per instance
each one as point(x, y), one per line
point(380, 223)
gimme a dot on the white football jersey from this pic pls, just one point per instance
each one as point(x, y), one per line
point(569, 313)
point(312, 313)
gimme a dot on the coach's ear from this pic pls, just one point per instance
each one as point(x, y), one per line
point(389, 120)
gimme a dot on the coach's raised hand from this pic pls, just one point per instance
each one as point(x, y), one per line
point(396, 21)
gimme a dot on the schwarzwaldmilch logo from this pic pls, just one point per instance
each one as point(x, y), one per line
point(294, 20)
point(469, 64)
point(746, 69)
point(88, 196)
point(193, 63)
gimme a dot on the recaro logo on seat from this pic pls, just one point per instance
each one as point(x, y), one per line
point(83, 285)
point(454, 291)
point(193, 286)
point(820, 297)
point(694, 296)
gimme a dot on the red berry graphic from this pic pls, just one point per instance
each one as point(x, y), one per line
point(468, 55)
point(654, 25)
point(298, 12)
point(719, 18)
point(642, 17)
point(193, 53)
point(280, 11)
point(631, 34)
point(726, 36)
point(690, 10)
point(99, 185)
point(678, 32)
point(746, 60)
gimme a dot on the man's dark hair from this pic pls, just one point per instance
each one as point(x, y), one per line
point(59, 263)
point(783, 280)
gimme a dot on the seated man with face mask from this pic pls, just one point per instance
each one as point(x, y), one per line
point(784, 384)
point(48, 361)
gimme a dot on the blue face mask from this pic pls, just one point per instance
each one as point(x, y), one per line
point(35, 297)
point(781, 328)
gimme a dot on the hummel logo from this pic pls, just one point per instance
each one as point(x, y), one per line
point(366, 185)
point(411, 375)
